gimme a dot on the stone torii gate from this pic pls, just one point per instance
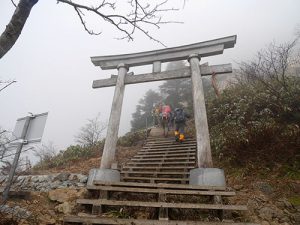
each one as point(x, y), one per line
point(193, 53)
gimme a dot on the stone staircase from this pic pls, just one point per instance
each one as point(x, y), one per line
point(154, 190)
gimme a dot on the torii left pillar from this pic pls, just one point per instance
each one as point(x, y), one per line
point(106, 173)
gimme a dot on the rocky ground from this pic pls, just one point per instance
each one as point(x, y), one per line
point(272, 200)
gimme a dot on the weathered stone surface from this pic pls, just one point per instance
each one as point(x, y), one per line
point(296, 217)
point(55, 184)
point(264, 187)
point(265, 223)
point(45, 183)
point(82, 178)
point(266, 213)
point(63, 195)
point(46, 219)
point(252, 205)
point(62, 176)
point(238, 187)
point(17, 211)
point(65, 208)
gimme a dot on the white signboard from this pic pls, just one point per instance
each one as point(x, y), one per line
point(35, 130)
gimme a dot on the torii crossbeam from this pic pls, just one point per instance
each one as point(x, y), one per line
point(193, 53)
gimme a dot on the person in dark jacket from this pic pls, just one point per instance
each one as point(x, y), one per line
point(179, 117)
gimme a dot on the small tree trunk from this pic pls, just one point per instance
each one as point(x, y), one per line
point(13, 30)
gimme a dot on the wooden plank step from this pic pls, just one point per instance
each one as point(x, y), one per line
point(162, 159)
point(166, 138)
point(143, 152)
point(99, 202)
point(162, 163)
point(175, 144)
point(164, 186)
point(158, 168)
point(155, 173)
point(162, 138)
point(163, 191)
point(170, 141)
point(150, 179)
point(116, 221)
point(145, 156)
point(169, 147)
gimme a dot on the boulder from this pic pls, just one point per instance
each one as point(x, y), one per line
point(64, 208)
point(63, 195)
point(62, 177)
point(265, 223)
point(264, 187)
point(266, 213)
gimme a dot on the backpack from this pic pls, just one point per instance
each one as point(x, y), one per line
point(179, 116)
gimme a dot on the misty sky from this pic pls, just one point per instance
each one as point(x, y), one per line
point(51, 59)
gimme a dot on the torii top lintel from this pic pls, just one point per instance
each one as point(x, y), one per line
point(203, 49)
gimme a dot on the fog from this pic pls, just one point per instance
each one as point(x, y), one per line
point(52, 66)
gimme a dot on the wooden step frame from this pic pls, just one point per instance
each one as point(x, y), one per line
point(160, 190)
point(116, 221)
point(134, 168)
point(99, 202)
point(142, 152)
point(145, 156)
point(164, 186)
point(156, 179)
point(162, 163)
point(163, 159)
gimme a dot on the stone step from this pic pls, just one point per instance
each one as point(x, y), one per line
point(114, 221)
point(164, 186)
point(99, 202)
point(162, 159)
point(160, 191)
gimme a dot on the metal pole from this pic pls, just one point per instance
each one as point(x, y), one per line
point(16, 159)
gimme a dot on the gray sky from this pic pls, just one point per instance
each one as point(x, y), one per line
point(51, 59)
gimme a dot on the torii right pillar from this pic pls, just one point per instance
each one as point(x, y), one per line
point(205, 174)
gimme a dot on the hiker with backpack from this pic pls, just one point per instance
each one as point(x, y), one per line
point(179, 118)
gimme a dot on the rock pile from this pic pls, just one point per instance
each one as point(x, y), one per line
point(45, 183)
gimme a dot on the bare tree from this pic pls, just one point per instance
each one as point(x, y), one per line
point(91, 133)
point(272, 64)
point(45, 152)
point(139, 17)
point(4, 140)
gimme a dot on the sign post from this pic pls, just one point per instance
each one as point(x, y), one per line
point(28, 129)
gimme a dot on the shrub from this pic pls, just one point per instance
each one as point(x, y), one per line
point(249, 124)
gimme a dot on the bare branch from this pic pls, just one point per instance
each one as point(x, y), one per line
point(12, 1)
point(15, 26)
point(136, 19)
point(79, 13)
